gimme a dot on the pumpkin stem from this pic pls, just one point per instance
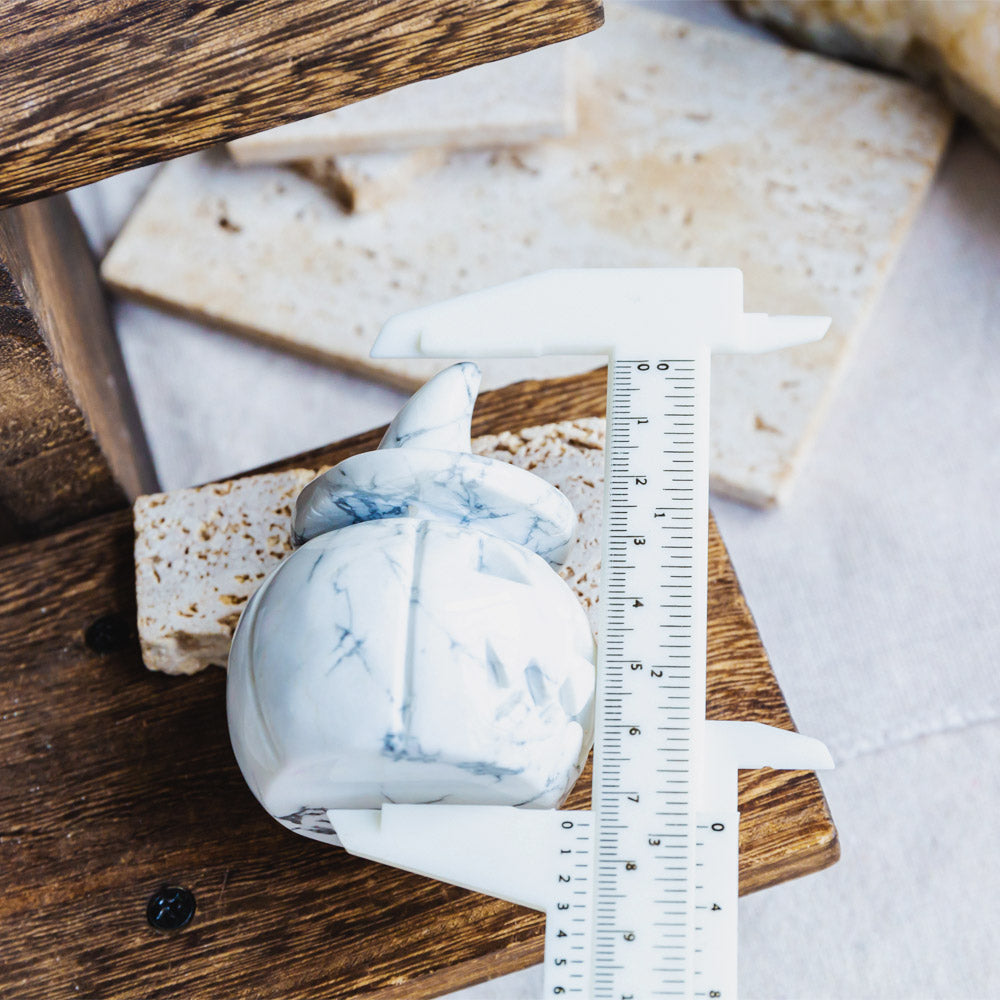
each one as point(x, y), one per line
point(439, 414)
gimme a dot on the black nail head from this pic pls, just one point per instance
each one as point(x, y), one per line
point(170, 908)
point(107, 633)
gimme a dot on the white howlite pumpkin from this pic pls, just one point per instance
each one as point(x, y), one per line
point(417, 646)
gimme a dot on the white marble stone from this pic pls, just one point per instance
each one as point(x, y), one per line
point(417, 648)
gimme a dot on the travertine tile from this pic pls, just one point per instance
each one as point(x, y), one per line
point(695, 147)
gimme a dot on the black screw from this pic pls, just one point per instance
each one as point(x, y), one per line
point(107, 633)
point(170, 908)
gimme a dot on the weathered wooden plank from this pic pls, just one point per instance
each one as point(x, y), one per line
point(114, 781)
point(92, 87)
point(71, 443)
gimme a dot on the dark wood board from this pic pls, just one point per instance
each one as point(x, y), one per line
point(71, 443)
point(114, 781)
point(92, 87)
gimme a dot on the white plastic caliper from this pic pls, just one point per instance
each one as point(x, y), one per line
point(640, 893)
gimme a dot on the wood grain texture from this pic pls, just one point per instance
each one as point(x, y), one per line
point(114, 781)
point(71, 444)
point(92, 87)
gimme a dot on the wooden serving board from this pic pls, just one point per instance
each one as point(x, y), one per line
point(115, 781)
point(92, 87)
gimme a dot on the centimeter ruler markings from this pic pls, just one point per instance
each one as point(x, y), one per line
point(628, 921)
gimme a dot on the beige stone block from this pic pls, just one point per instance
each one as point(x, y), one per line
point(201, 553)
point(363, 182)
point(695, 147)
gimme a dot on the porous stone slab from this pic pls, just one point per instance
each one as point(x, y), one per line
point(695, 147)
point(201, 553)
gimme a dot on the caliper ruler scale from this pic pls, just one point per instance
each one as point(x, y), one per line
point(651, 664)
point(640, 892)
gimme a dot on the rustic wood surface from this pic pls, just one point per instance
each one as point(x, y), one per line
point(92, 87)
point(71, 444)
point(115, 781)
